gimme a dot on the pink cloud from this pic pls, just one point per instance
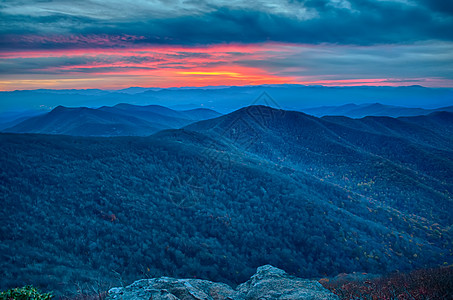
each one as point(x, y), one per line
point(166, 65)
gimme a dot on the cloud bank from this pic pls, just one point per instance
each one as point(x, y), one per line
point(206, 42)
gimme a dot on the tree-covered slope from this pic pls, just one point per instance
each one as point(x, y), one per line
point(216, 200)
point(400, 162)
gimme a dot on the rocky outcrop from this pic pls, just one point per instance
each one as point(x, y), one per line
point(268, 283)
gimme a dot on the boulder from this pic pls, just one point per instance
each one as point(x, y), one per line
point(272, 283)
point(166, 288)
point(268, 283)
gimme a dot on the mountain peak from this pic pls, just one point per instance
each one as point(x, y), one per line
point(62, 109)
point(262, 110)
point(59, 108)
point(265, 111)
point(260, 106)
point(442, 114)
point(123, 105)
point(376, 104)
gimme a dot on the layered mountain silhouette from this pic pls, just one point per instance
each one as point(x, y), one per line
point(371, 109)
point(219, 197)
point(119, 120)
point(229, 98)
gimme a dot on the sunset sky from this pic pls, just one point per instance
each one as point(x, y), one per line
point(121, 43)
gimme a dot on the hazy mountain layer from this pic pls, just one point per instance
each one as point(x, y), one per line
point(375, 109)
point(119, 120)
point(229, 98)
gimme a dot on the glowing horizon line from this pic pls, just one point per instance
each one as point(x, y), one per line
point(214, 86)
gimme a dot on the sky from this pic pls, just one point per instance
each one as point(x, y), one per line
point(114, 44)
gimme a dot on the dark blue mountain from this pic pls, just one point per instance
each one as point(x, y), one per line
point(366, 156)
point(374, 109)
point(85, 122)
point(163, 114)
point(119, 120)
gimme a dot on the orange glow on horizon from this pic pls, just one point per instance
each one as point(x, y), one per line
point(174, 66)
point(232, 74)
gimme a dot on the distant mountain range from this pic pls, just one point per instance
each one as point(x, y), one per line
point(219, 197)
point(225, 99)
point(374, 109)
point(119, 120)
point(134, 120)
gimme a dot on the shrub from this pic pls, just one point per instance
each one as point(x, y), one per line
point(25, 293)
point(421, 284)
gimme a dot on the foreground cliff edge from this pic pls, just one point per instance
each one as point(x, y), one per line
point(267, 283)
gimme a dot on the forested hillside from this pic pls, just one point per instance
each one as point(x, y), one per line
point(215, 200)
point(403, 162)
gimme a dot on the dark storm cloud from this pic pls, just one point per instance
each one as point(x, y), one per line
point(442, 6)
point(262, 41)
point(347, 62)
point(24, 24)
point(58, 65)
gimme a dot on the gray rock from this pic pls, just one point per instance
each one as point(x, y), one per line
point(268, 283)
point(174, 289)
point(272, 283)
